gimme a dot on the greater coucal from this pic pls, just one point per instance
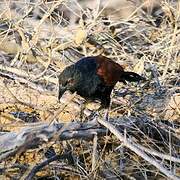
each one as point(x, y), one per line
point(94, 78)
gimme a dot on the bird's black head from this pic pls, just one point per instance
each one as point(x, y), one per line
point(68, 80)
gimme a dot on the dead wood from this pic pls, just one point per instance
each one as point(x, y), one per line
point(38, 133)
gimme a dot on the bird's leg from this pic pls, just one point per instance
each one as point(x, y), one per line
point(83, 107)
point(105, 104)
point(106, 115)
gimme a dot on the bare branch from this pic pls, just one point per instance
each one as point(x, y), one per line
point(131, 145)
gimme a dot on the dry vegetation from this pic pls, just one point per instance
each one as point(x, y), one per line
point(43, 138)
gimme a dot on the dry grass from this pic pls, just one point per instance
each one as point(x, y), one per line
point(38, 39)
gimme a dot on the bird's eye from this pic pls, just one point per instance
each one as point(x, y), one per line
point(69, 82)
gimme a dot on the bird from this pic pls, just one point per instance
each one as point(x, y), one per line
point(94, 78)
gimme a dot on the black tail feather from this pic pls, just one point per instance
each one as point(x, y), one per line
point(132, 77)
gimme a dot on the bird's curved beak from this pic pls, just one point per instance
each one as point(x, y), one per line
point(61, 92)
